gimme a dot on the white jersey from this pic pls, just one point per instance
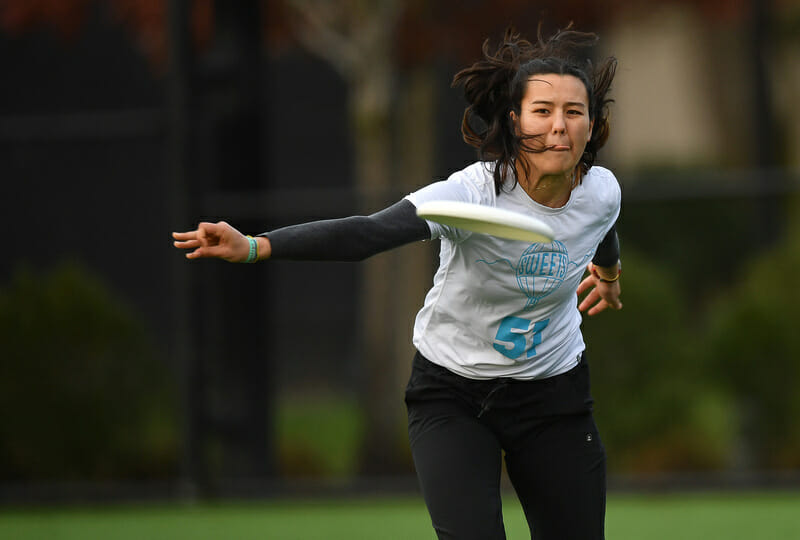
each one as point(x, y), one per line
point(508, 308)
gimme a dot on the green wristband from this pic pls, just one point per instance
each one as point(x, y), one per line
point(252, 256)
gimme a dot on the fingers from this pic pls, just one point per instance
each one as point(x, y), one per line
point(601, 296)
point(205, 236)
point(187, 240)
point(591, 299)
point(188, 244)
point(204, 230)
point(610, 293)
point(183, 236)
point(598, 308)
point(586, 284)
point(213, 240)
point(205, 253)
point(593, 303)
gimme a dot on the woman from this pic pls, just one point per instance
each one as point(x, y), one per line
point(500, 367)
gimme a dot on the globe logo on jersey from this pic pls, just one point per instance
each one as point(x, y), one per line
point(541, 270)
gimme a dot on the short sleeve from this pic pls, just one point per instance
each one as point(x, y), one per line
point(469, 185)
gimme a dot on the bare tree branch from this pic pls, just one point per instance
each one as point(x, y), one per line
point(346, 33)
point(317, 32)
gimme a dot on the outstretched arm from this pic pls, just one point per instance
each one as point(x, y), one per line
point(346, 239)
point(352, 238)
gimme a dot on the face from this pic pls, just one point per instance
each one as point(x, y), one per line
point(556, 109)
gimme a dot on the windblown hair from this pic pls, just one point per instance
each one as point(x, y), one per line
point(495, 85)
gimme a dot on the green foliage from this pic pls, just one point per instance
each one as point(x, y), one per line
point(754, 344)
point(82, 394)
point(318, 435)
point(691, 240)
point(657, 406)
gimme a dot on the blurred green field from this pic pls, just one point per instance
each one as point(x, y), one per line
point(732, 516)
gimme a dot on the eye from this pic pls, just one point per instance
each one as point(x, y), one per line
point(575, 112)
point(541, 111)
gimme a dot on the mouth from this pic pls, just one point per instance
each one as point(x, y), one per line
point(558, 148)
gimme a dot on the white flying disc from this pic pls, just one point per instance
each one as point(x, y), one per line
point(486, 220)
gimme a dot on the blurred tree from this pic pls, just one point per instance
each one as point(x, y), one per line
point(356, 39)
point(658, 407)
point(83, 393)
point(754, 348)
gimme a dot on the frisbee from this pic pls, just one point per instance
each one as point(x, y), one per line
point(486, 220)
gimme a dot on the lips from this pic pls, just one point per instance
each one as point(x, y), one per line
point(558, 148)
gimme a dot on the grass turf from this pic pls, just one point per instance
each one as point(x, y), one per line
point(732, 516)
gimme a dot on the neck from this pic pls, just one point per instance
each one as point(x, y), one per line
point(552, 191)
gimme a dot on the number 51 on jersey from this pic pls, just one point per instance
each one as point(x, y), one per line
point(513, 335)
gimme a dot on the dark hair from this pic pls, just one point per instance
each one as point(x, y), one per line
point(495, 85)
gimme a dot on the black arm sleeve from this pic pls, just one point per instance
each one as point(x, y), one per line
point(607, 253)
point(352, 238)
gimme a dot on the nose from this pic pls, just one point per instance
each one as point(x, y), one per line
point(559, 125)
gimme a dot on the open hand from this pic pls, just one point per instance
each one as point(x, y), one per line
point(602, 294)
point(213, 240)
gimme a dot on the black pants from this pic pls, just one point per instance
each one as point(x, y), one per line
point(459, 429)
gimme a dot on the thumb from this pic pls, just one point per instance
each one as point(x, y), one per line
point(206, 252)
point(614, 302)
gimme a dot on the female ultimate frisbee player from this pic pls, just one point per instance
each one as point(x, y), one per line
point(500, 367)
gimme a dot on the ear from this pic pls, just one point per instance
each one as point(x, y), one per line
point(514, 121)
point(591, 128)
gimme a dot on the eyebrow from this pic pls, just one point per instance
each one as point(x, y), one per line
point(569, 103)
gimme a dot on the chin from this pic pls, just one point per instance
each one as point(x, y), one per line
point(557, 170)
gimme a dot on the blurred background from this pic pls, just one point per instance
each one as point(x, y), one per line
point(126, 370)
